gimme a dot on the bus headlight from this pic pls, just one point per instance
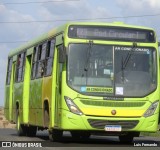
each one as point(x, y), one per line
point(72, 106)
point(150, 111)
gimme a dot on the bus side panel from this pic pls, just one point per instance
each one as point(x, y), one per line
point(35, 102)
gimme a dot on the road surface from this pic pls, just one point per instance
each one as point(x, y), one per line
point(94, 142)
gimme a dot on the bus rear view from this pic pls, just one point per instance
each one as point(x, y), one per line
point(111, 81)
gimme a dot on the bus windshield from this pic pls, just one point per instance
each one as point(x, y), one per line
point(105, 75)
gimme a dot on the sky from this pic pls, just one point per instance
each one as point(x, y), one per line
point(18, 19)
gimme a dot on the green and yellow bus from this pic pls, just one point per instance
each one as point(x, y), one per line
point(86, 78)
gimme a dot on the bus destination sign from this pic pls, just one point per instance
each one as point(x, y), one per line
point(111, 33)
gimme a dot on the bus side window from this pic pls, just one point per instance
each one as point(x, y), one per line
point(41, 59)
point(49, 57)
point(34, 62)
point(9, 70)
point(43, 52)
point(20, 67)
point(38, 72)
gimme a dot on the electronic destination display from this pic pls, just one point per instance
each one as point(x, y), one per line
point(111, 33)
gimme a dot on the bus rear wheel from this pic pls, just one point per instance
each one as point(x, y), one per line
point(31, 131)
point(21, 129)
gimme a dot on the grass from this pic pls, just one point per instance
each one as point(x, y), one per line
point(157, 134)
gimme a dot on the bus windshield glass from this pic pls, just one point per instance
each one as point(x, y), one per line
point(105, 75)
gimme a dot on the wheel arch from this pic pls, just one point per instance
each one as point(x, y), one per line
point(46, 108)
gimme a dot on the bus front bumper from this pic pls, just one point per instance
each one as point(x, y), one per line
point(70, 121)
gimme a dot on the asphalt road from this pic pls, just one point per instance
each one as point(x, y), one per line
point(94, 142)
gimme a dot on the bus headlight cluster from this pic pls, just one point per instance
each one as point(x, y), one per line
point(150, 111)
point(72, 106)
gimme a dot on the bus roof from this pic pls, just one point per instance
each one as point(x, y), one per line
point(62, 28)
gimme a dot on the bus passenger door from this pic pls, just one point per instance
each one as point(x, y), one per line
point(12, 94)
point(47, 87)
point(12, 91)
point(58, 85)
point(26, 87)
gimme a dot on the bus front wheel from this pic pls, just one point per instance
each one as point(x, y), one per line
point(80, 135)
point(55, 135)
point(126, 138)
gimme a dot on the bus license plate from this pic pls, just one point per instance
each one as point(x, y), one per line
point(113, 128)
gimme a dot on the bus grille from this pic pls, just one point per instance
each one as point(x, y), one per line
point(125, 124)
point(112, 104)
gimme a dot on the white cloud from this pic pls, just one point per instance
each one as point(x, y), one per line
point(154, 3)
point(14, 32)
point(3, 67)
point(76, 10)
point(140, 8)
point(19, 31)
point(48, 11)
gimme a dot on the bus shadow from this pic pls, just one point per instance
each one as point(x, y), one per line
point(93, 141)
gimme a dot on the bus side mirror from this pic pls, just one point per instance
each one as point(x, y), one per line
point(158, 44)
point(62, 54)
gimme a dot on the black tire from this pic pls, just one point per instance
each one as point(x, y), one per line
point(21, 129)
point(80, 135)
point(75, 135)
point(55, 135)
point(126, 138)
point(31, 131)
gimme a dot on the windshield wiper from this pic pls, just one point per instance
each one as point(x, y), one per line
point(88, 55)
point(126, 60)
point(130, 53)
point(86, 65)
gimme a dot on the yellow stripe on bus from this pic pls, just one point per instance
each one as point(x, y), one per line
point(107, 112)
